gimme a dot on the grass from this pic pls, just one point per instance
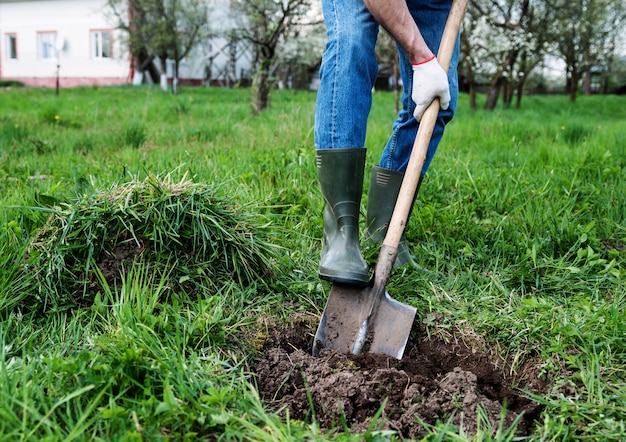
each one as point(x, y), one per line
point(521, 221)
point(152, 220)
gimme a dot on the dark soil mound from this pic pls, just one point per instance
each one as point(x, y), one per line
point(435, 381)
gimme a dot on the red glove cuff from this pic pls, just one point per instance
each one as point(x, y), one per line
point(425, 61)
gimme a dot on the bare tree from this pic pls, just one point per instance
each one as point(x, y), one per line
point(161, 28)
point(265, 23)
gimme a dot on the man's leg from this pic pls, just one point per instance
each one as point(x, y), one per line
point(431, 18)
point(344, 99)
point(347, 75)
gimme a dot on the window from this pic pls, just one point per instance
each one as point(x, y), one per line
point(11, 41)
point(46, 42)
point(101, 44)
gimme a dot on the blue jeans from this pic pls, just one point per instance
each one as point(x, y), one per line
point(348, 73)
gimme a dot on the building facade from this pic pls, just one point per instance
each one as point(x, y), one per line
point(69, 41)
point(75, 43)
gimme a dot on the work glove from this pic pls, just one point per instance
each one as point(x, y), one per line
point(430, 81)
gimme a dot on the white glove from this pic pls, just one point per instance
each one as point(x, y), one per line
point(430, 81)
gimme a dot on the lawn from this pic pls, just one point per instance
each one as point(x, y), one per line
point(154, 247)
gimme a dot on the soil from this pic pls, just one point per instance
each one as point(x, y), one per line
point(434, 381)
point(110, 262)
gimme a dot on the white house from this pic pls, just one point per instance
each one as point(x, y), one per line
point(68, 39)
point(75, 43)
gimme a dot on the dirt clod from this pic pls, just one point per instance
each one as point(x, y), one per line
point(110, 262)
point(435, 381)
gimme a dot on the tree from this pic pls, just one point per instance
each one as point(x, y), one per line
point(387, 55)
point(161, 28)
point(584, 35)
point(468, 62)
point(300, 55)
point(504, 40)
point(535, 24)
point(265, 23)
point(568, 42)
point(506, 21)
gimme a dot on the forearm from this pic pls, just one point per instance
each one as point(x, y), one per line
point(395, 17)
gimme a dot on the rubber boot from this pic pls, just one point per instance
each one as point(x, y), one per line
point(340, 174)
point(381, 200)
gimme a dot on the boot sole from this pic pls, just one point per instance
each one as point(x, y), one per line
point(356, 280)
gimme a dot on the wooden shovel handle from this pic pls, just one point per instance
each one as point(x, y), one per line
point(424, 133)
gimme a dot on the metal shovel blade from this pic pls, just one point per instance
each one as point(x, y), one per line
point(346, 325)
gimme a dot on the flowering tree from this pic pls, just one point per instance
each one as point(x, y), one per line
point(499, 38)
point(507, 39)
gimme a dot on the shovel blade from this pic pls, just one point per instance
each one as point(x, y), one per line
point(347, 310)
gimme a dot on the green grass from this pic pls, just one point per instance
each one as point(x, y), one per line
point(521, 221)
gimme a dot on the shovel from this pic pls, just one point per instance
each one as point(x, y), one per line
point(368, 319)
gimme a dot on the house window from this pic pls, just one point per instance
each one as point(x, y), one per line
point(46, 42)
point(11, 40)
point(101, 44)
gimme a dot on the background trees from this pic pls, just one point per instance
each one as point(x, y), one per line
point(505, 41)
point(167, 29)
point(508, 46)
point(585, 35)
point(266, 24)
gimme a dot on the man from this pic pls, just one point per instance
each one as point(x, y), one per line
point(344, 99)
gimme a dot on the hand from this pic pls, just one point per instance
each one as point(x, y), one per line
point(430, 81)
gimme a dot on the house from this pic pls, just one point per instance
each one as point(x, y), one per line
point(71, 40)
point(75, 43)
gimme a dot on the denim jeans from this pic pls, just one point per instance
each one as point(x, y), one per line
point(348, 73)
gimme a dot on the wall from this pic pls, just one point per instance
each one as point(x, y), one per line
point(73, 21)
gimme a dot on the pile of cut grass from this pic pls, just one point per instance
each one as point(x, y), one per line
point(185, 229)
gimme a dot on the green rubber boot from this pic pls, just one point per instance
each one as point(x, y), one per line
point(340, 174)
point(381, 200)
